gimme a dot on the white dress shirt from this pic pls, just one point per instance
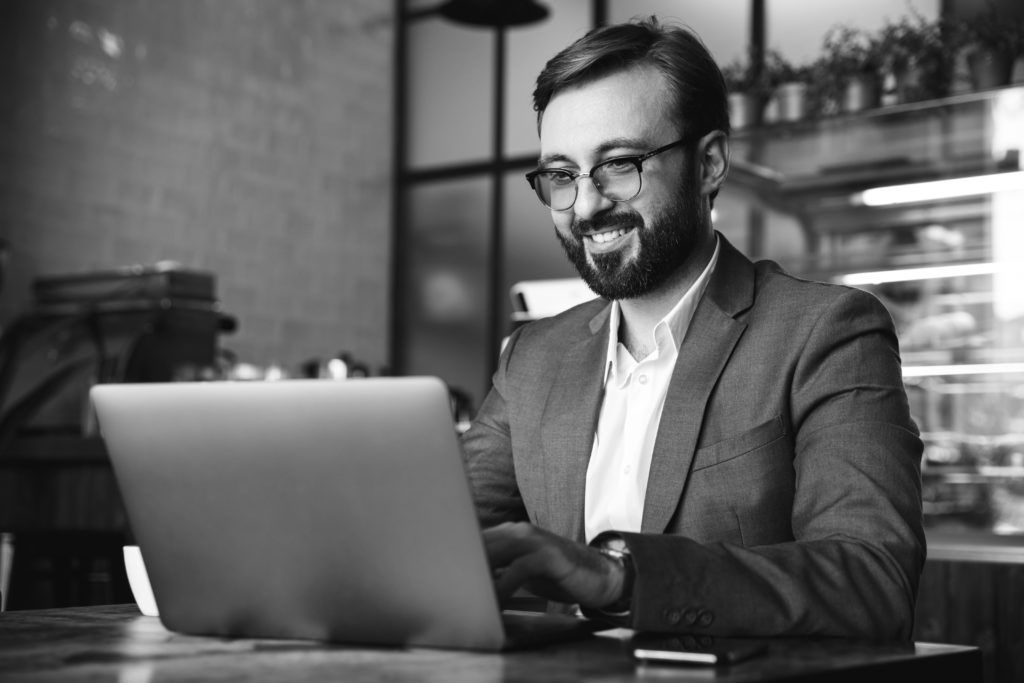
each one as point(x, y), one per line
point(634, 395)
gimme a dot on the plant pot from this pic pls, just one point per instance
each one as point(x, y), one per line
point(792, 101)
point(989, 69)
point(1017, 73)
point(860, 93)
point(911, 84)
point(770, 111)
point(902, 85)
point(742, 110)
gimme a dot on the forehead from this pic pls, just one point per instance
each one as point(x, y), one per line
point(631, 105)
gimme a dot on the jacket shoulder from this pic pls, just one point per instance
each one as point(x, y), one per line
point(776, 286)
point(579, 322)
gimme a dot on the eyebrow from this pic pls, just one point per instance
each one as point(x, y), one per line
point(603, 148)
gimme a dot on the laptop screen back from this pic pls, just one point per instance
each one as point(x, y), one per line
point(327, 510)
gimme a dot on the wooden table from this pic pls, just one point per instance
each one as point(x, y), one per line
point(116, 643)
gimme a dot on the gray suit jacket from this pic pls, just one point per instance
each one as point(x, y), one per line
point(784, 494)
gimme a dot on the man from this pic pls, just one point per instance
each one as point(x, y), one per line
point(713, 446)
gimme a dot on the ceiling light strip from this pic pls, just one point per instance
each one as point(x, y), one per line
point(877, 277)
point(950, 188)
point(967, 369)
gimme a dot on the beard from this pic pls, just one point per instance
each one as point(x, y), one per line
point(664, 245)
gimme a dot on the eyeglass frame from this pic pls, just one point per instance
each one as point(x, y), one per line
point(636, 159)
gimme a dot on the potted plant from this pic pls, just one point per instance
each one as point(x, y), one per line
point(744, 98)
point(993, 42)
point(916, 59)
point(778, 92)
point(846, 76)
point(787, 85)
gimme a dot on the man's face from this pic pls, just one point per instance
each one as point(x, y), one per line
point(625, 249)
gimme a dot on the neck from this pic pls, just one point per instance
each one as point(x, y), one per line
point(640, 315)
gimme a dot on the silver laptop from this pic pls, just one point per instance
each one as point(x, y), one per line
point(314, 509)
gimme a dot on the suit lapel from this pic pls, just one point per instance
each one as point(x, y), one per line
point(713, 333)
point(567, 434)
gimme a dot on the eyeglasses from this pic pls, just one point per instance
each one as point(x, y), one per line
point(618, 179)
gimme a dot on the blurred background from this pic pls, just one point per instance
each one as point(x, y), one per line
point(256, 189)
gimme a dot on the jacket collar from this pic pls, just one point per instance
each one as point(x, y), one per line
point(714, 332)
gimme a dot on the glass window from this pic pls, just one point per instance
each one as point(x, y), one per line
point(450, 100)
point(445, 302)
point(528, 49)
point(723, 26)
point(796, 28)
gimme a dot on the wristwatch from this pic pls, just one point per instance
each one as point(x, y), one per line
point(625, 560)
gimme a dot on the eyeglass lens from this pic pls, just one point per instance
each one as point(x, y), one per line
point(617, 179)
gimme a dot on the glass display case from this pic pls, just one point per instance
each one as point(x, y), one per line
point(921, 204)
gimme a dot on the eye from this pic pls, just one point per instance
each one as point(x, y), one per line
point(556, 178)
point(621, 165)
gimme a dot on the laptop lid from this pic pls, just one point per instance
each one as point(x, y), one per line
point(326, 510)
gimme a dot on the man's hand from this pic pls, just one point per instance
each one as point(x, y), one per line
point(551, 566)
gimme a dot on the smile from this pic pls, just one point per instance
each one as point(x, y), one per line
point(608, 236)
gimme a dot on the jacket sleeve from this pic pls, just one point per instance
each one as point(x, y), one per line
point(853, 567)
point(487, 453)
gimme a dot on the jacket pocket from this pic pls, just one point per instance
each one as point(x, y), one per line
point(740, 444)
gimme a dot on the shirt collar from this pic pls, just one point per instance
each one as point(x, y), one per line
point(672, 328)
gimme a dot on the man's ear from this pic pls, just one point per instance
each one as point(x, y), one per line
point(713, 156)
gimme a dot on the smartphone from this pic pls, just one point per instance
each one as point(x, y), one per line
point(706, 650)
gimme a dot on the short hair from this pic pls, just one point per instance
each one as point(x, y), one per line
point(677, 52)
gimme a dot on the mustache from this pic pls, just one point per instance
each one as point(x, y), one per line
point(603, 222)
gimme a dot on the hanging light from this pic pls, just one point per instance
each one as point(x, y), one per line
point(490, 13)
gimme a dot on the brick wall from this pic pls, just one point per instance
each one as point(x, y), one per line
point(249, 138)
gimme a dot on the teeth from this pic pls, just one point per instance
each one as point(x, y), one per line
point(603, 237)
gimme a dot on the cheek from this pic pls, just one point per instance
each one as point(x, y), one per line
point(562, 221)
point(642, 213)
point(659, 202)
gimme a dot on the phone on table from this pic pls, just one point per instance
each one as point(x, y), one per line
point(688, 649)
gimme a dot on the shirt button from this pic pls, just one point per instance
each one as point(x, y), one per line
point(643, 379)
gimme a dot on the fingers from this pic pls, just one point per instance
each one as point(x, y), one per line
point(520, 553)
point(549, 565)
point(513, 576)
point(505, 542)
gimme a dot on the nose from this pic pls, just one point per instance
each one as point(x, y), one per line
point(589, 201)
